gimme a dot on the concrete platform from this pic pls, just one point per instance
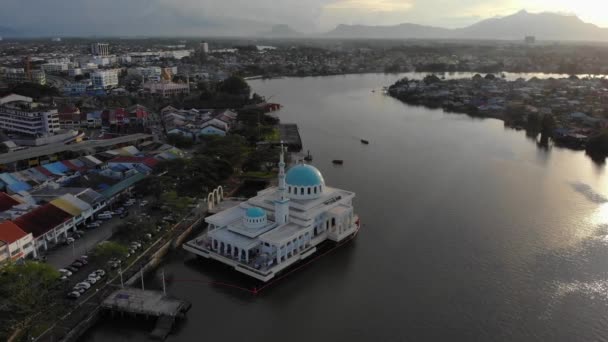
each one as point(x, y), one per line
point(140, 302)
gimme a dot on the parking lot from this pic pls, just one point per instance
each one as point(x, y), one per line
point(65, 254)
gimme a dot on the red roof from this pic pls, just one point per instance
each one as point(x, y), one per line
point(148, 161)
point(7, 202)
point(10, 232)
point(44, 171)
point(42, 219)
point(72, 166)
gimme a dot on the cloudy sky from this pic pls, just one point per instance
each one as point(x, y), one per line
point(233, 16)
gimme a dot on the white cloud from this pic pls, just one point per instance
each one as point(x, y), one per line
point(193, 16)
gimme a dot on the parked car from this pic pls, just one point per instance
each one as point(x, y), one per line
point(83, 284)
point(79, 290)
point(124, 214)
point(65, 272)
point(77, 264)
point(143, 203)
point(82, 261)
point(73, 295)
point(136, 243)
point(104, 216)
point(78, 231)
point(91, 281)
point(72, 269)
point(69, 241)
point(100, 272)
point(92, 226)
point(148, 236)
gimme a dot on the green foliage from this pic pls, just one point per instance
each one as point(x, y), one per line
point(263, 159)
point(179, 141)
point(178, 205)
point(548, 125)
point(598, 145)
point(25, 290)
point(135, 228)
point(430, 79)
point(231, 148)
point(234, 85)
point(34, 90)
point(192, 177)
point(109, 250)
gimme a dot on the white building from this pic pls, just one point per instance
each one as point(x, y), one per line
point(20, 114)
point(55, 67)
point(105, 78)
point(204, 47)
point(100, 49)
point(151, 74)
point(18, 75)
point(15, 244)
point(167, 89)
point(280, 226)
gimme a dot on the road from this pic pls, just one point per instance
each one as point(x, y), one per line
point(65, 255)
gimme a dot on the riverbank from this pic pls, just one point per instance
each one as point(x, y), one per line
point(570, 110)
point(85, 314)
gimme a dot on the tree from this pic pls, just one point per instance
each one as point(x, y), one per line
point(25, 290)
point(597, 146)
point(235, 85)
point(109, 250)
point(430, 79)
point(547, 125)
point(179, 141)
point(178, 204)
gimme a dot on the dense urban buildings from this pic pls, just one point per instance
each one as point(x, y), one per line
point(20, 114)
point(100, 49)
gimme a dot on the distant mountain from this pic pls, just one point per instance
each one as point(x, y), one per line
point(281, 31)
point(545, 26)
point(389, 32)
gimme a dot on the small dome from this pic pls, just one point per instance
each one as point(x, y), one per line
point(304, 175)
point(255, 212)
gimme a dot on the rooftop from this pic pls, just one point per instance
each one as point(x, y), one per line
point(10, 232)
point(42, 219)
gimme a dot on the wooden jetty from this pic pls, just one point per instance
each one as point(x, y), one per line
point(147, 303)
point(290, 136)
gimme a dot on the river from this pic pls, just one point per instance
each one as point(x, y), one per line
point(471, 232)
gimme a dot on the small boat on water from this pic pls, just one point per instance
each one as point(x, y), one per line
point(363, 141)
point(338, 161)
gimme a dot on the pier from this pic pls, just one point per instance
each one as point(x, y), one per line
point(147, 303)
point(290, 136)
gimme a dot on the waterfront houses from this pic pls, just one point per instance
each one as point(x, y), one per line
point(577, 105)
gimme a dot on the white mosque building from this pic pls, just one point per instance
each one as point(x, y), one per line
point(280, 226)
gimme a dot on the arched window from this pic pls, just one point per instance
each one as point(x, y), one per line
point(302, 191)
point(315, 189)
point(309, 191)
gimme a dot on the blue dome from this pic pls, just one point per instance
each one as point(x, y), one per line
point(304, 175)
point(255, 212)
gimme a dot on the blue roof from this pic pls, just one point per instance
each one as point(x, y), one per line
point(20, 186)
point(304, 175)
point(255, 212)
